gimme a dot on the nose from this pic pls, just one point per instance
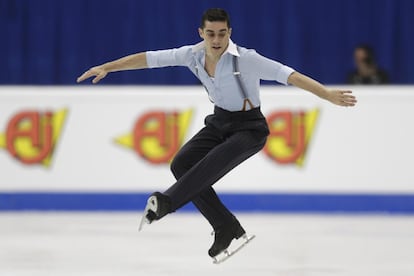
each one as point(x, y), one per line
point(216, 39)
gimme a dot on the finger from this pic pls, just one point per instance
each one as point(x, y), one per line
point(350, 103)
point(349, 98)
point(344, 92)
point(84, 76)
point(98, 78)
point(346, 103)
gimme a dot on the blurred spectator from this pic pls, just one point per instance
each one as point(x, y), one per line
point(367, 70)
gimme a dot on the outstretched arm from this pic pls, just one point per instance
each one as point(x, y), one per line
point(338, 97)
point(131, 62)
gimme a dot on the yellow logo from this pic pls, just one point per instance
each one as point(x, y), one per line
point(31, 136)
point(290, 133)
point(157, 135)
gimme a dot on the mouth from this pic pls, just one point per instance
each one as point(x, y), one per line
point(216, 47)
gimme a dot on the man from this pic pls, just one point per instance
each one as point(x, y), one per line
point(366, 68)
point(236, 130)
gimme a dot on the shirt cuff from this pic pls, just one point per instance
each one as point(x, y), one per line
point(284, 74)
point(151, 59)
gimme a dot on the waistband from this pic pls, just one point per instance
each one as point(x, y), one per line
point(254, 113)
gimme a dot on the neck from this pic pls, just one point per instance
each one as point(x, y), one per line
point(213, 58)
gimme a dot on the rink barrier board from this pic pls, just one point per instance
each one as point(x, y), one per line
point(269, 202)
point(101, 131)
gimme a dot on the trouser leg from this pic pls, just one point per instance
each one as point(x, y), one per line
point(214, 165)
point(210, 205)
point(207, 202)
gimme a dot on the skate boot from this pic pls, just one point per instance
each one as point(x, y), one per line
point(223, 237)
point(158, 205)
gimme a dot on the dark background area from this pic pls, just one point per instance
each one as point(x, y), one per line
point(51, 42)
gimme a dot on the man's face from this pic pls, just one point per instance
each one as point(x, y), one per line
point(360, 57)
point(216, 37)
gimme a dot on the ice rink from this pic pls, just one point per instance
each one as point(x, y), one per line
point(286, 245)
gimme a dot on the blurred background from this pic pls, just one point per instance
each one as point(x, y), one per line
point(332, 192)
point(51, 42)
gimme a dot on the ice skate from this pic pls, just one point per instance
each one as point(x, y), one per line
point(224, 245)
point(158, 205)
point(233, 249)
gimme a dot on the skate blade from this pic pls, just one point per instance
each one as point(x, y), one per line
point(151, 205)
point(226, 254)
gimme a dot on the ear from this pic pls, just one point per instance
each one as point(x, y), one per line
point(230, 31)
point(200, 32)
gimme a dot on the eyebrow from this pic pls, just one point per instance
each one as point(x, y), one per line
point(222, 30)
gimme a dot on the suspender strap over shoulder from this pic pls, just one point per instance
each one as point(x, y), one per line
point(242, 88)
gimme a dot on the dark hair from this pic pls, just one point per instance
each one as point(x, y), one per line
point(215, 14)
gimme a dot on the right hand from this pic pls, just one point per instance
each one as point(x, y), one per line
point(98, 72)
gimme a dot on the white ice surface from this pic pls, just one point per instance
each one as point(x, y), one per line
point(62, 244)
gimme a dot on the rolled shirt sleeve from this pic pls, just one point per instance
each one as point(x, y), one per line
point(171, 57)
point(267, 69)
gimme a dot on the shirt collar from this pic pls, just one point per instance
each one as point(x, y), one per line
point(231, 49)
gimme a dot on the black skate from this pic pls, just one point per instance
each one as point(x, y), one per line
point(223, 237)
point(158, 205)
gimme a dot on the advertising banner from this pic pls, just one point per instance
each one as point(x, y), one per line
point(122, 139)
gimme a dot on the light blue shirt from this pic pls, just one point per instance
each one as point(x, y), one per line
point(223, 89)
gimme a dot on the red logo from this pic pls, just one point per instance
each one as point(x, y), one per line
point(290, 133)
point(157, 135)
point(31, 136)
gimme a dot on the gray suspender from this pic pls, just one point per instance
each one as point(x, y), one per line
point(242, 88)
point(237, 74)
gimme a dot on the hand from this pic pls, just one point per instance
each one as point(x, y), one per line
point(98, 72)
point(342, 98)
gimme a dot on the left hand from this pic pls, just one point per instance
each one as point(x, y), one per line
point(342, 97)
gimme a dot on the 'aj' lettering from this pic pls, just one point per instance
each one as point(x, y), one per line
point(157, 136)
point(31, 136)
point(290, 133)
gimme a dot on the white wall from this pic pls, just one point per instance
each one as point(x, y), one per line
point(368, 148)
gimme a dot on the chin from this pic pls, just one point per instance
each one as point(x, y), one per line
point(218, 51)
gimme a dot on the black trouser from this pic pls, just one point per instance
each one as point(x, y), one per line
point(227, 139)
